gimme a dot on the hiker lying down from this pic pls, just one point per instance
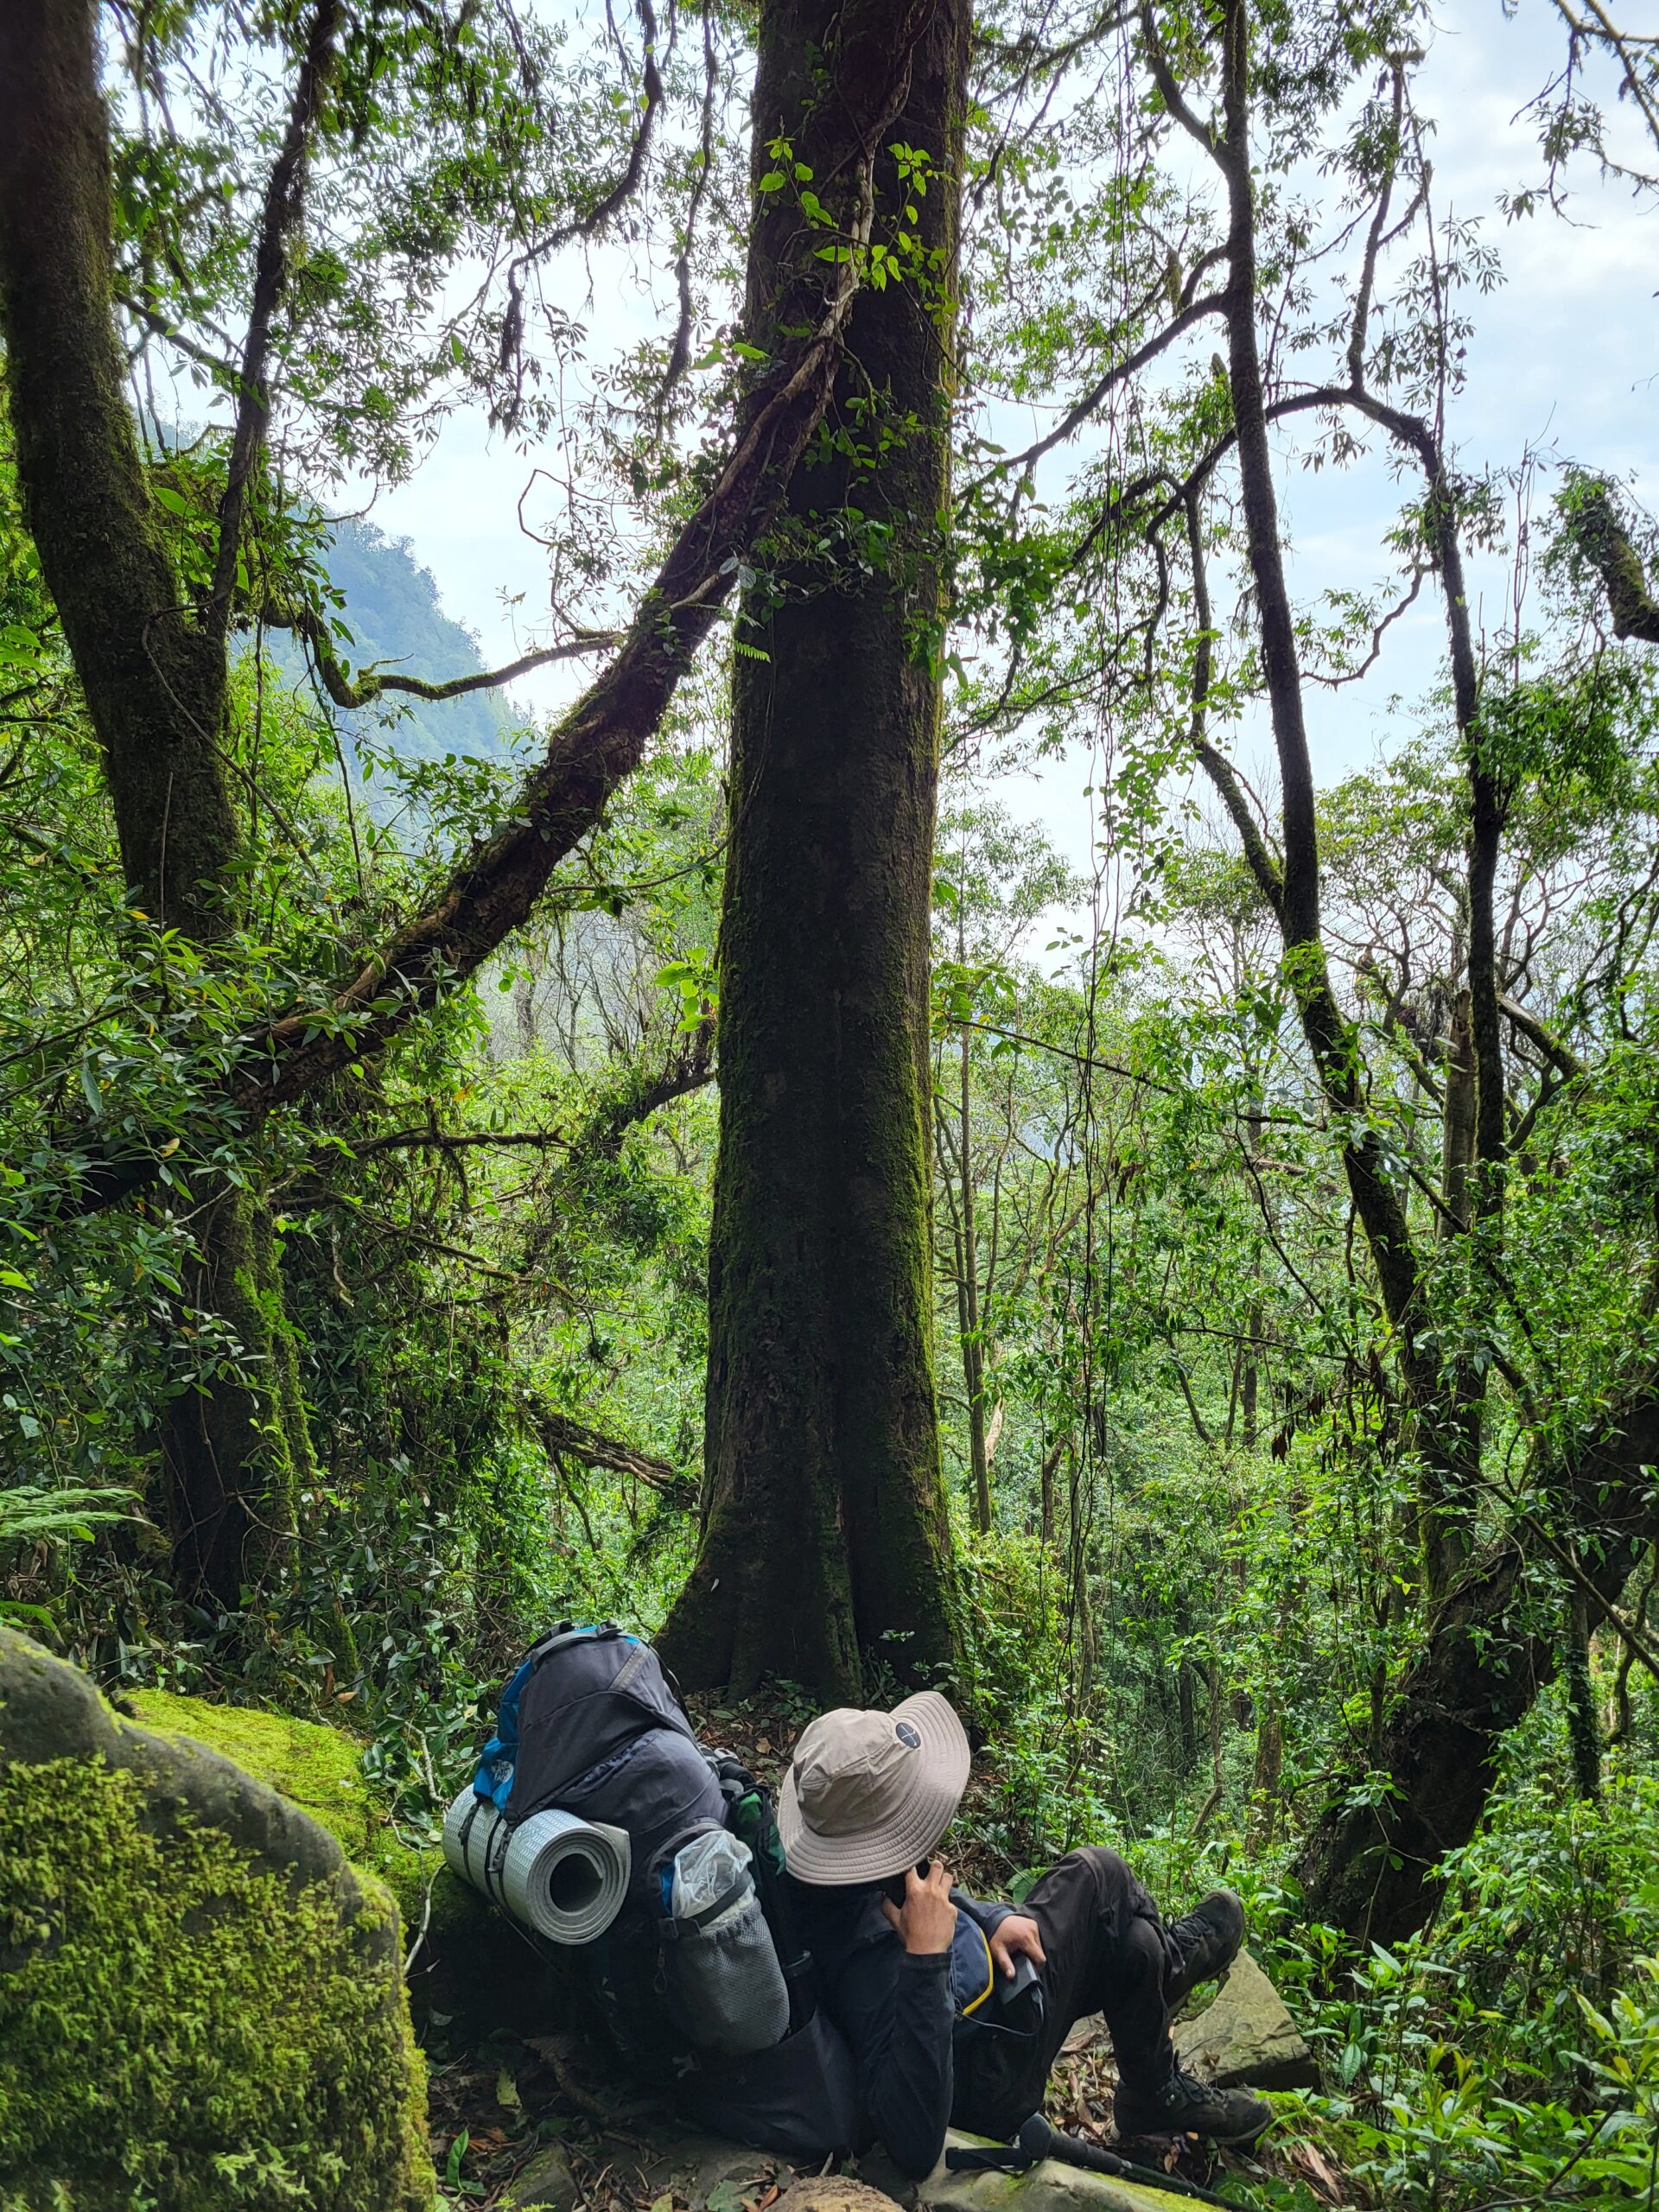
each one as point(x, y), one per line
point(920, 1978)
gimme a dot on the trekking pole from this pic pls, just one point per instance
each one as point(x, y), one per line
point(1037, 2139)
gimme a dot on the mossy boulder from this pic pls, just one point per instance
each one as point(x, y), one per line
point(315, 1767)
point(469, 1971)
point(202, 2001)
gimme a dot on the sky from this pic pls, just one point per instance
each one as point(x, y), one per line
point(1564, 358)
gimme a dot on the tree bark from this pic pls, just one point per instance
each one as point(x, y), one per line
point(236, 1445)
point(1491, 1645)
point(827, 1530)
point(156, 682)
point(1584, 1735)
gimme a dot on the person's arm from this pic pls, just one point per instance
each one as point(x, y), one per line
point(989, 1915)
point(898, 2014)
point(898, 2017)
point(1010, 1934)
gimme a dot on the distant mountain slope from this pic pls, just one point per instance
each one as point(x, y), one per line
point(395, 618)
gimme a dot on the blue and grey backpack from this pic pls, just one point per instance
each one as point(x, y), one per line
point(591, 1722)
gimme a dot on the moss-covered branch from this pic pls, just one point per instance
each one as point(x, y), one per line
point(362, 689)
point(1594, 528)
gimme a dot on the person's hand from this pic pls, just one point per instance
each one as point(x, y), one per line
point(927, 1918)
point(1015, 1938)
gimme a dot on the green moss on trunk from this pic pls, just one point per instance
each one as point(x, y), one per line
point(238, 1451)
point(828, 1529)
point(154, 678)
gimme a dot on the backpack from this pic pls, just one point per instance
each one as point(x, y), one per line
point(716, 2001)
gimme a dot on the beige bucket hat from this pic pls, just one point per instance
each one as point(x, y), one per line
point(867, 1794)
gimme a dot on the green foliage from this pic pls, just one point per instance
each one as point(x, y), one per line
point(1514, 2047)
point(1194, 1582)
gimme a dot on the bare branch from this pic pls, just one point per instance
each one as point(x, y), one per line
point(1560, 1056)
point(561, 1437)
point(361, 689)
point(1077, 416)
point(226, 371)
point(284, 201)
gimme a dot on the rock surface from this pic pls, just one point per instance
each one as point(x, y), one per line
point(1048, 2187)
point(711, 2175)
point(467, 1968)
point(1246, 2038)
point(202, 2005)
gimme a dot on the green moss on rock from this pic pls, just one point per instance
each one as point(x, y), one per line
point(314, 1766)
point(201, 2006)
point(471, 1971)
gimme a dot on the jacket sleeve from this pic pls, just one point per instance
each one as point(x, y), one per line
point(989, 1916)
point(898, 2017)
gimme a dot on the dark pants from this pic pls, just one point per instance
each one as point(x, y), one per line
point(1107, 1951)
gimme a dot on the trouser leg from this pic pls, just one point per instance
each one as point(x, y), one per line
point(1107, 1952)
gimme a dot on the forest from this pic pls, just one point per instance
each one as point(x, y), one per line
point(665, 1129)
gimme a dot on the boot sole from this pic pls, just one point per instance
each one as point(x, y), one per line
point(1250, 2135)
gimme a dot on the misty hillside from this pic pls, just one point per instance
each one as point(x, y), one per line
point(394, 615)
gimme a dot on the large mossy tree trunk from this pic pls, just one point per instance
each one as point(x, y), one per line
point(826, 1531)
point(153, 671)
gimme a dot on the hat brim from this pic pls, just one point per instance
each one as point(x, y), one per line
point(909, 1831)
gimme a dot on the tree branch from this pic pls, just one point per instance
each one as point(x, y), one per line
point(561, 1437)
point(1559, 1056)
point(361, 689)
point(1077, 416)
point(284, 201)
point(582, 226)
point(226, 371)
point(1595, 529)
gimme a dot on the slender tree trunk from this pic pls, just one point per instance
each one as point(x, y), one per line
point(1046, 1475)
point(826, 1531)
point(1186, 1717)
point(973, 1348)
point(1458, 1121)
point(1583, 1733)
point(1264, 1786)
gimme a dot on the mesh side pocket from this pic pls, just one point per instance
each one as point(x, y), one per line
point(724, 1982)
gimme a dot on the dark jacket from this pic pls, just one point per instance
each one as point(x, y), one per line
point(899, 2011)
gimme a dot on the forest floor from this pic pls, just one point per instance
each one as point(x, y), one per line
point(496, 2109)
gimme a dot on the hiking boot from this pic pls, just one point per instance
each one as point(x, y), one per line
point(1182, 2106)
point(1208, 1940)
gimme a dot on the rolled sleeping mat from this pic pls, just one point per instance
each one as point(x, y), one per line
point(566, 1878)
